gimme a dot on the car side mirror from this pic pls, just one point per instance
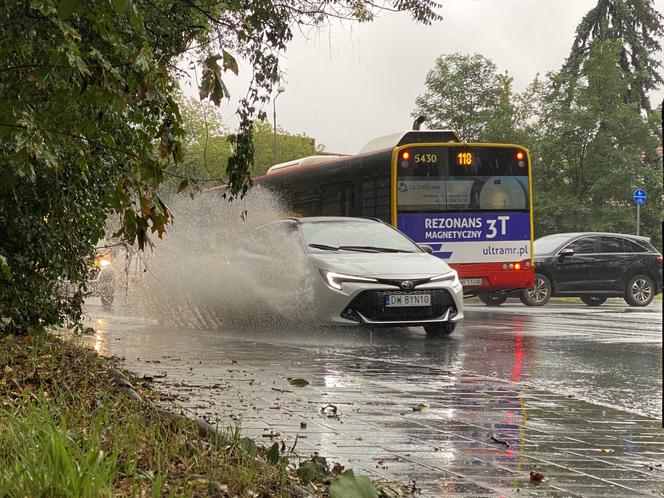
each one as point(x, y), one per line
point(566, 252)
point(426, 248)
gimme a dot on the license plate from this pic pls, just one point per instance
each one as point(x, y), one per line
point(402, 300)
point(471, 282)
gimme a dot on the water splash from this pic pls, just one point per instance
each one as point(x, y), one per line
point(216, 267)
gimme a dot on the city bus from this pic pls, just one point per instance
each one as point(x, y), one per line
point(468, 203)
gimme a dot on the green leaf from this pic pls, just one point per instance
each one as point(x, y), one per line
point(178, 152)
point(347, 485)
point(297, 382)
point(249, 446)
point(314, 470)
point(273, 454)
point(183, 185)
point(230, 63)
point(66, 8)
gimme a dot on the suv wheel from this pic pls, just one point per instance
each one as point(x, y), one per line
point(593, 300)
point(640, 291)
point(439, 329)
point(493, 299)
point(540, 294)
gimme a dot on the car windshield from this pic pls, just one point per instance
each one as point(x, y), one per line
point(361, 236)
point(549, 243)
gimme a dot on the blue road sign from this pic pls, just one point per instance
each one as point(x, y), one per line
point(639, 196)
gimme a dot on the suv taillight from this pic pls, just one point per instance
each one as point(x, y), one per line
point(659, 259)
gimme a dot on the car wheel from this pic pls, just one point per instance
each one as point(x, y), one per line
point(593, 300)
point(540, 294)
point(439, 329)
point(640, 291)
point(492, 299)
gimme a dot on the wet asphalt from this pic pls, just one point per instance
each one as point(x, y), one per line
point(571, 392)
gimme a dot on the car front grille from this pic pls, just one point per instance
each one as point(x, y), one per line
point(371, 304)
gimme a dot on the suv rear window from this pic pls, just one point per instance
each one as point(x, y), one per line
point(633, 246)
point(612, 244)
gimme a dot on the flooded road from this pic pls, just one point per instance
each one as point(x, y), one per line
point(566, 390)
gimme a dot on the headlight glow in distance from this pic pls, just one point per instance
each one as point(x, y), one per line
point(103, 261)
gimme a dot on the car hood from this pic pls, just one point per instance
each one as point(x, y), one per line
point(381, 265)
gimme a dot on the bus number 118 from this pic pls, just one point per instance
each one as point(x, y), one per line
point(465, 159)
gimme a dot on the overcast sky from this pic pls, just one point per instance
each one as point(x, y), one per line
point(352, 82)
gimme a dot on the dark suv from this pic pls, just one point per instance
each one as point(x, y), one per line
point(595, 266)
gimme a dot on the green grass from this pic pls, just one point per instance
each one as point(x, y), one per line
point(43, 456)
point(65, 431)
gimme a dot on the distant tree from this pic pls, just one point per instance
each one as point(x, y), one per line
point(462, 94)
point(597, 137)
point(465, 93)
point(207, 146)
point(639, 28)
point(594, 151)
point(289, 147)
point(205, 141)
point(514, 118)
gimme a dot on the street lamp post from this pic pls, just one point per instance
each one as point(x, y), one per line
point(280, 90)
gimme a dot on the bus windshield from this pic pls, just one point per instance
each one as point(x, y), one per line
point(462, 179)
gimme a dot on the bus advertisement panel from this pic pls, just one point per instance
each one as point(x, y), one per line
point(471, 204)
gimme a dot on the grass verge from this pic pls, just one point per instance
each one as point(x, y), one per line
point(66, 430)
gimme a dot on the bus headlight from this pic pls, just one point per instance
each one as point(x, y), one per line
point(334, 279)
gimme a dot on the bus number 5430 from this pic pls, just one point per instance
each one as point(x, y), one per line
point(426, 158)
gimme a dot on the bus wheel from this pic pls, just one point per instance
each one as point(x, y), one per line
point(540, 294)
point(493, 299)
point(440, 329)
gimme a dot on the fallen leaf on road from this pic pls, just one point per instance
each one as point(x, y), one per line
point(329, 411)
point(536, 476)
point(298, 382)
point(337, 469)
point(314, 470)
point(500, 441)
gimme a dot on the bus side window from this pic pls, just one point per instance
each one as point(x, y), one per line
point(375, 198)
point(336, 199)
point(306, 203)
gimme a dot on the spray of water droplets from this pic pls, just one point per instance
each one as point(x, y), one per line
point(216, 267)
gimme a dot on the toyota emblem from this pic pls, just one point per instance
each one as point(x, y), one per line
point(407, 285)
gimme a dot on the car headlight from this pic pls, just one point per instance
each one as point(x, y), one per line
point(103, 261)
point(452, 277)
point(334, 279)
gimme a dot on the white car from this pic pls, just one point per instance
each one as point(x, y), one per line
point(356, 271)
